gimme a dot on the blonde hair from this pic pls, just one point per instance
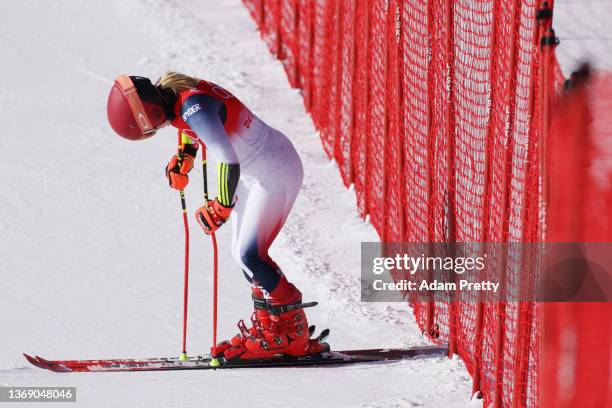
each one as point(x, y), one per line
point(176, 82)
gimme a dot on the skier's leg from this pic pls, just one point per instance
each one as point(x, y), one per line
point(276, 329)
point(261, 219)
point(265, 212)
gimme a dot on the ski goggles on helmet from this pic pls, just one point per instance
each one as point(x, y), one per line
point(129, 91)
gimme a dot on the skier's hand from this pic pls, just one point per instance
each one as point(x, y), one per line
point(180, 165)
point(212, 216)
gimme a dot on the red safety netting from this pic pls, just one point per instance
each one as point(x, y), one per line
point(435, 110)
point(579, 335)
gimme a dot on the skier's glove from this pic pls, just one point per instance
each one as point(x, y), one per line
point(180, 165)
point(212, 216)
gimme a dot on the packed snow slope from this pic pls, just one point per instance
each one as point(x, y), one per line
point(92, 237)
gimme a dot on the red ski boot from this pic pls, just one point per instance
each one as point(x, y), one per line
point(279, 327)
point(259, 319)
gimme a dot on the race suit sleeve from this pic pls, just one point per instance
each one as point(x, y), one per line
point(203, 114)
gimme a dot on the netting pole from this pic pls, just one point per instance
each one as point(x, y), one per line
point(296, 47)
point(367, 137)
point(353, 68)
point(366, 82)
point(450, 118)
point(309, 63)
point(450, 145)
point(401, 141)
point(548, 43)
point(278, 22)
point(385, 185)
point(430, 311)
point(337, 131)
point(262, 18)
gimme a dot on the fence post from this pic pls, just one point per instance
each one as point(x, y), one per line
point(353, 67)
point(401, 141)
point(262, 18)
point(310, 60)
point(450, 134)
point(366, 82)
point(549, 40)
point(338, 97)
point(385, 130)
point(277, 18)
point(296, 48)
point(430, 311)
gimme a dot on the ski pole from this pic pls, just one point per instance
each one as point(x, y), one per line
point(214, 362)
point(183, 356)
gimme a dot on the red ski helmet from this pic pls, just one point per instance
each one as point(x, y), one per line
point(135, 108)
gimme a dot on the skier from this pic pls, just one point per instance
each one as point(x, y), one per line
point(259, 177)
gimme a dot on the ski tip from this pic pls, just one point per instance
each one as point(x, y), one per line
point(31, 359)
point(35, 361)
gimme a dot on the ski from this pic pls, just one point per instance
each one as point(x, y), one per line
point(203, 362)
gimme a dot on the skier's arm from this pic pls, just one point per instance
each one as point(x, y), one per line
point(203, 114)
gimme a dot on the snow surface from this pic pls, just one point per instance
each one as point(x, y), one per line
point(92, 236)
point(584, 28)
